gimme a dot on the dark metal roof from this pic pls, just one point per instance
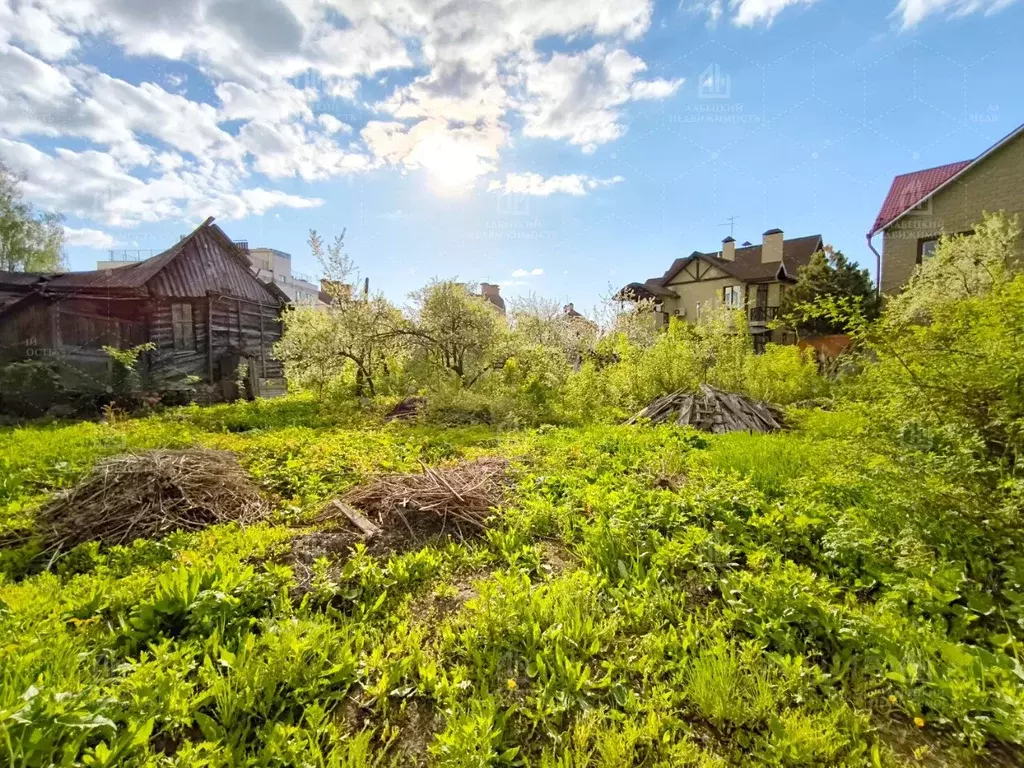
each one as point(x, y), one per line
point(22, 279)
point(648, 290)
point(746, 266)
point(206, 261)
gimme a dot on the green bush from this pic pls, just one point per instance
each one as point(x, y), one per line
point(29, 387)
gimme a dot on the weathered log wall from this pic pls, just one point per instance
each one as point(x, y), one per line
point(240, 330)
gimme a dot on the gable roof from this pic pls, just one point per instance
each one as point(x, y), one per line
point(909, 190)
point(168, 275)
point(747, 265)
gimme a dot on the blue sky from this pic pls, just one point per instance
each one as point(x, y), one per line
point(558, 148)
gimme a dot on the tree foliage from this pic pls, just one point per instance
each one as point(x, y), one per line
point(456, 329)
point(356, 333)
point(30, 240)
point(829, 274)
point(962, 267)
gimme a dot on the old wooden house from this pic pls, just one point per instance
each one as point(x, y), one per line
point(199, 303)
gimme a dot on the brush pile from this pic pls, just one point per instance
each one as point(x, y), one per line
point(149, 495)
point(712, 410)
point(457, 500)
point(406, 410)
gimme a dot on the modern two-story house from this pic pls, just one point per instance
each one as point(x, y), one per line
point(748, 277)
point(949, 199)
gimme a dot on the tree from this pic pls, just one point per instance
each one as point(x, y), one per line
point(542, 322)
point(357, 331)
point(963, 266)
point(828, 274)
point(456, 328)
point(945, 355)
point(30, 240)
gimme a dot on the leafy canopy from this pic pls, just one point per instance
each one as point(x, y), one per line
point(30, 240)
point(355, 333)
point(828, 274)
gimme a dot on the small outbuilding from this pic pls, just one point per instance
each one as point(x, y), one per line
point(199, 303)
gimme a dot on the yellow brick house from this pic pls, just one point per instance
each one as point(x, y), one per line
point(748, 277)
point(948, 199)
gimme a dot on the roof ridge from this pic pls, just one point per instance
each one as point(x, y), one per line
point(886, 216)
point(941, 167)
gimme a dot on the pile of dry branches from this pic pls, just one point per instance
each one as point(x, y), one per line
point(409, 408)
point(149, 495)
point(451, 498)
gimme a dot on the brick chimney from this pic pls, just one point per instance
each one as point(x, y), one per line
point(492, 293)
point(771, 248)
point(729, 249)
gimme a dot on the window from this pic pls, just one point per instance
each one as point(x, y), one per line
point(183, 327)
point(732, 296)
point(926, 248)
point(926, 245)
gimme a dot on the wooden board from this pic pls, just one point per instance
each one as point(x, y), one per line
point(711, 410)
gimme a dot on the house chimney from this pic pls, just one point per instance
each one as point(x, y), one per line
point(729, 249)
point(492, 293)
point(771, 248)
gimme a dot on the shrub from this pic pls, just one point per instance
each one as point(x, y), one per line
point(29, 387)
point(782, 375)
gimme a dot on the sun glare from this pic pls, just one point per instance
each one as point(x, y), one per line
point(452, 166)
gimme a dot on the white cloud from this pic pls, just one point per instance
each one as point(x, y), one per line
point(280, 102)
point(747, 13)
point(286, 75)
point(88, 238)
point(539, 186)
point(453, 92)
point(92, 185)
point(913, 12)
point(332, 125)
point(39, 98)
point(287, 150)
point(528, 272)
point(35, 29)
point(259, 200)
point(713, 8)
point(579, 96)
point(454, 158)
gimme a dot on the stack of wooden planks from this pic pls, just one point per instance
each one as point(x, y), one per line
point(711, 410)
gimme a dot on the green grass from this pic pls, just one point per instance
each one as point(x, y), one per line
point(649, 597)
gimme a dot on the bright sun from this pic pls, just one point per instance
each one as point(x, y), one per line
point(452, 166)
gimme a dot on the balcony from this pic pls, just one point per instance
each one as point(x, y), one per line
point(762, 314)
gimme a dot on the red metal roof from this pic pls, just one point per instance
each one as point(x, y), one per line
point(910, 189)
